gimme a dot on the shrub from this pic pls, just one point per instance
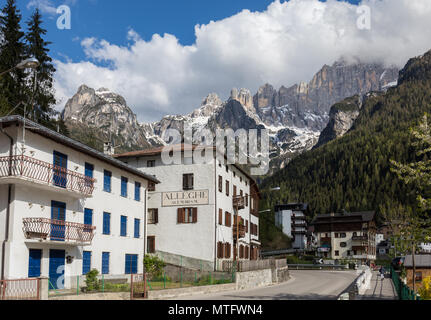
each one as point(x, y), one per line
point(425, 290)
point(91, 280)
point(154, 266)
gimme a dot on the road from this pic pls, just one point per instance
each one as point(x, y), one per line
point(303, 285)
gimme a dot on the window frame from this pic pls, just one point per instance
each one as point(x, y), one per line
point(107, 184)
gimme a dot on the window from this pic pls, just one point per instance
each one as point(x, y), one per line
point(151, 244)
point(131, 265)
point(228, 219)
point(188, 181)
point(343, 235)
point(418, 276)
point(227, 250)
point(124, 182)
point(220, 217)
point(227, 169)
point(60, 169)
point(343, 244)
point(220, 183)
point(88, 218)
point(151, 186)
point(137, 191)
point(234, 191)
point(153, 216)
point(86, 262)
point(107, 177)
point(35, 257)
point(89, 173)
point(234, 174)
point(227, 188)
point(106, 223)
point(151, 163)
point(337, 253)
point(187, 215)
point(123, 231)
point(105, 262)
point(246, 200)
point(137, 228)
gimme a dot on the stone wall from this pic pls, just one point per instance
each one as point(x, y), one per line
point(253, 279)
point(187, 262)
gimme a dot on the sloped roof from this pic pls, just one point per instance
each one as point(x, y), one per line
point(57, 137)
point(421, 261)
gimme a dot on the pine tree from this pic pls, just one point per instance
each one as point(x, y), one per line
point(12, 52)
point(42, 85)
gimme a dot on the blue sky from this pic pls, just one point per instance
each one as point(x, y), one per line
point(111, 19)
point(164, 57)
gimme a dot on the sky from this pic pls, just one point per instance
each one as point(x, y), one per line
point(164, 57)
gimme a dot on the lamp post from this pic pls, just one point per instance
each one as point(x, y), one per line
point(30, 63)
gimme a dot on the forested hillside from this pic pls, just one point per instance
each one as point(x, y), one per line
point(353, 172)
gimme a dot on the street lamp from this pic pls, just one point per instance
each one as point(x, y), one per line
point(30, 63)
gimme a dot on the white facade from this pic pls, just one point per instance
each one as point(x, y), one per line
point(379, 238)
point(292, 220)
point(31, 197)
point(197, 244)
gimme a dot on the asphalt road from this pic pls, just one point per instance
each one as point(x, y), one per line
point(303, 285)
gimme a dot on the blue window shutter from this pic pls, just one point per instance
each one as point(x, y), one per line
point(89, 170)
point(35, 257)
point(123, 232)
point(107, 175)
point(137, 191)
point(124, 182)
point(106, 223)
point(131, 264)
point(134, 263)
point(86, 262)
point(88, 217)
point(137, 228)
point(105, 262)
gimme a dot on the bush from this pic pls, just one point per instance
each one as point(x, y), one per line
point(154, 266)
point(425, 290)
point(91, 280)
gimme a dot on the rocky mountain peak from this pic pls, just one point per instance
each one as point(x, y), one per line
point(244, 97)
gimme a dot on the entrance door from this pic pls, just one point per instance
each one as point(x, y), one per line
point(60, 169)
point(58, 215)
point(35, 257)
point(56, 269)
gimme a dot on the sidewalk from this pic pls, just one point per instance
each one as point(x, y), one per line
point(380, 290)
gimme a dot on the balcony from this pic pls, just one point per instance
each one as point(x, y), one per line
point(241, 231)
point(239, 202)
point(360, 238)
point(30, 171)
point(62, 232)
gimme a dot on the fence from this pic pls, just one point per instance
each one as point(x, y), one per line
point(22, 289)
point(317, 267)
point(404, 292)
point(244, 266)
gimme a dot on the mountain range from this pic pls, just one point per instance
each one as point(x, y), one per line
point(295, 116)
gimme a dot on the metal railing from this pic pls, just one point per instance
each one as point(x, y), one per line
point(403, 291)
point(21, 289)
point(57, 230)
point(317, 267)
point(239, 202)
point(241, 231)
point(46, 173)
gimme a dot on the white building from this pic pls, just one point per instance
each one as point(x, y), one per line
point(65, 208)
point(191, 217)
point(291, 218)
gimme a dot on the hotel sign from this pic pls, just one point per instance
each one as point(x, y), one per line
point(185, 198)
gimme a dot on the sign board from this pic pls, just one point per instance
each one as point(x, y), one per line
point(185, 198)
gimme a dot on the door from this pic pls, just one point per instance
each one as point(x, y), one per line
point(60, 170)
point(35, 257)
point(58, 215)
point(56, 269)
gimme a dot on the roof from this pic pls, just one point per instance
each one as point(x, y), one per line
point(57, 137)
point(365, 216)
point(292, 206)
point(180, 147)
point(421, 261)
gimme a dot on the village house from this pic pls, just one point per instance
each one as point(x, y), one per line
point(192, 212)
point(346, 235)
point(292, 219)
point(66, 208)
point(422, 266)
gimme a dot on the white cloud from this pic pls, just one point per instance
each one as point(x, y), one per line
point(45, 6)
point(283, 45)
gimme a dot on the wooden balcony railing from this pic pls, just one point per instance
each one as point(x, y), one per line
point(46, 173)
point(56, 230)
point(241, 231)
point(239, 202)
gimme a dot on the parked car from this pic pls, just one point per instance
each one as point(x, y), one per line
point(397, 263)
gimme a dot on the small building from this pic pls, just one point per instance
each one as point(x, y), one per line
point(422, 266)
point(192, 213)
point(66, 208)
point(292, 219)
point(346, 235)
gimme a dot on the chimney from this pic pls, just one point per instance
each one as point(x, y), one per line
point(108, 149)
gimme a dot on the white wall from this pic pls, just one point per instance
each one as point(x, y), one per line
point(30, 201)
